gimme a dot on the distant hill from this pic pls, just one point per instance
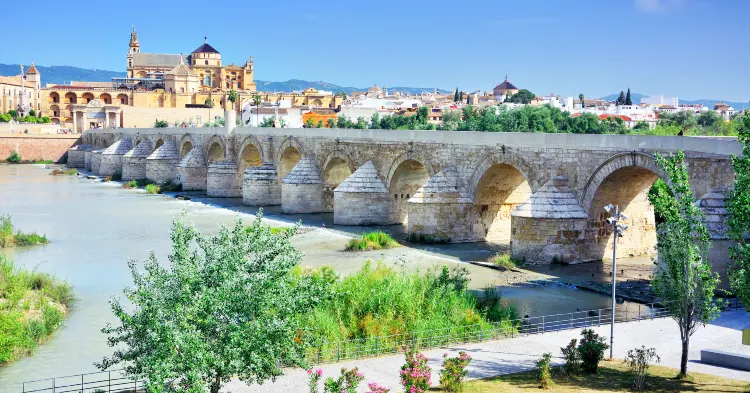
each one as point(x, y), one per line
point(59, 75)
point(64, 74)
point(636, 97)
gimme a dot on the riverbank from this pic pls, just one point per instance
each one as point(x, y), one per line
point(10, 237)
point(32, 307)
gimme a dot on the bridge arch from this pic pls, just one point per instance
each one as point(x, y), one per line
point(408, 172)
point(336, 167)
point(623, 180)
point(251, 154)
point(215, 150)
point(290, 151)
point(186, 144)
point(499, 183)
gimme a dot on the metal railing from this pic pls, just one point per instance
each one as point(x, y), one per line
point(115, 381)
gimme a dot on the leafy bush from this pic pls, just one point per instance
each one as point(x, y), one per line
point(347, 382)
point(10, 238)
point(494, 308)
point(454, 371)
point(543, 371)
point(371, 241)
point(313, 377)
point(153, 189)
point(64, 172)
point(572, 357)
point(14, 158)
point(117, 176)
point(639, 360)
point(415, 373)
point(591, 350)
point(504, 261)
point(374, 387)
point(161, 123)
point(170, 186)
point(130, 184)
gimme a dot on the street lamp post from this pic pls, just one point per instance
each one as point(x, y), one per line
point(617, 230)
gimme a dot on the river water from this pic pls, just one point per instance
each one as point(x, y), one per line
point(95, 227)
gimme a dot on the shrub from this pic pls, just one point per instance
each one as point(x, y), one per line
point(170, 186)
point(14, 158)
point(591, 350)
point(572, 358)
point(543, 373)
point(347, 382)
point(504, 261)
point(117, 176)
point(415, 374)
point(312, 379)
point(153, 189)
point(639, 360)
point(371, 241)
point(454, 371)
point(64, 172)
point(161, 123)
point(9, 239)
point(374, 387)
point(130, 184)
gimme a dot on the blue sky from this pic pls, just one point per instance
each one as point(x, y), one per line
point(689, 48)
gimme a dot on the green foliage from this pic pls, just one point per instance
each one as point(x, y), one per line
point(455, 95)
point(662, 199)
point(544, 372)
point(621, 99)
point(628, 99)
point(14, 158)
point(523, 96)
point(130, 184)
point(347, 382)
point(738, 206)
point(13, 113)
point(31, 311)
point(232, 96)
point(591, 350)
point(572, 358)
point(117, 176)
point(639, 360)
point(32, 113)
point(161, 123)
point(504, 261)
point(371, 241)
point(492, 306)
point(153, 189)
point(415, 373)
point(170, 186)
point(209, 102)
point(5, 117)
point(454, 371)
point(10, 237)
point(64, 172)
point(198, 308)
point(683, 280)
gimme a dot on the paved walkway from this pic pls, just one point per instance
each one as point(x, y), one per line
point(519, 354)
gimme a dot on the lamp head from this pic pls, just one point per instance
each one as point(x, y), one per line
point(623, 216)
point(610, 221)
point(608, 208)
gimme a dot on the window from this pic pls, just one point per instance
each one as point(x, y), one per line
point(182, 89)
point(206, 62)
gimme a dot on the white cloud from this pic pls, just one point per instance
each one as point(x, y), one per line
point(658, 5)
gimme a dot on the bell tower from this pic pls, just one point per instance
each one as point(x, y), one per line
point(135, 47)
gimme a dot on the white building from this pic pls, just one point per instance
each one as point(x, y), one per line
point(661, 100)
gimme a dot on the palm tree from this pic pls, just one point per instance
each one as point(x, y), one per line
point(256, 101)
point(232, 97)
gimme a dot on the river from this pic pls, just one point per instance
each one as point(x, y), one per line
point(95, 227)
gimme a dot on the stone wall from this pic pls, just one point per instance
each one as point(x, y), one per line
point(301, 198)
point(360, 208)
point(161, 171)
point(222, 180)
point(133, 168)
point(538, 240)
point(40, 147)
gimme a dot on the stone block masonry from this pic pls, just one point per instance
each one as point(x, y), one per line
point(541, 193)
point(38, 147)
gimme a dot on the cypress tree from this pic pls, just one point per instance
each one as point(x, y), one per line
point(455, 96)
point(628, 101)
point(621, 98)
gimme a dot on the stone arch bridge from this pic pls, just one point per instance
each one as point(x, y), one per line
point(542, 193)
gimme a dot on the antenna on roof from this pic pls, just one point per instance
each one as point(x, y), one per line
point(205, 39)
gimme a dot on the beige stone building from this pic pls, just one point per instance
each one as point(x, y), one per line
point(172, 87)
point(23, 88)
point(504, 89)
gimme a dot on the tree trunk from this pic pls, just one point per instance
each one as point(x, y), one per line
point(216, 384)
point(684, 360)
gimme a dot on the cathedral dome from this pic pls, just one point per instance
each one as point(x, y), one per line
point(205, 48)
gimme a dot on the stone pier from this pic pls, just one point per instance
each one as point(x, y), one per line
point(302, 189)
point(361, 199)
point(161, 165)
point(111, 160)
point(134, 161)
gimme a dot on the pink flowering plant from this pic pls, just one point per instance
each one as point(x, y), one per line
point(347, 382)
point(313, 376)
point(454, 371)
point(415, 374)
point(377, 388)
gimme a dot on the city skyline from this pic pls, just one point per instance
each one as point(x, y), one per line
point(682, 48)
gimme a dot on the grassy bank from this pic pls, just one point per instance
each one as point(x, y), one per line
point(371, 241)
point(32, 307)
point(64, 172)
point(9, 237)
point(150, 186)
point(612, 377)
point(379, 301)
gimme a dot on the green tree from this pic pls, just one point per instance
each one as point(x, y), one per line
point(161, 124)
point(375, 121)
point(13, 113)
point(309, 123)
point(641, 126)
point(628, 100)
point(621, 98)
point(32, 113)
point(461, 96)
point(455, 95)
point(738, 206)
point(331, 123)
point(523, 96)
point(193, 324)
point(663, 201)
point(209, 102)
point(257, 100)
point(232, 97)
point(683, 280)
point(361, 123)
point(580, 97)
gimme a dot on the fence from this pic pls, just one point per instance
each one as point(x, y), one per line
point(116, 382)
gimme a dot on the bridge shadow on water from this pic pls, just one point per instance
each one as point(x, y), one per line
point(458, 251)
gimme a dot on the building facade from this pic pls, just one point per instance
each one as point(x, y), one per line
point(22, 90)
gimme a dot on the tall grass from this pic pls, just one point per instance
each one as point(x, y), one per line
point(65, 172)
point(371, 241)
point(11, 238)
point(505, 261)
point(32, 309)
point(381, 301)
point(153, 189)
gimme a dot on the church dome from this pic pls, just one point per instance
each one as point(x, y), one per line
point(205, 48)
